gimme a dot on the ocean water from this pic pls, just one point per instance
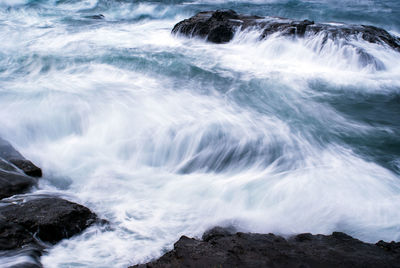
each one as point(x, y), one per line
point(162, 135)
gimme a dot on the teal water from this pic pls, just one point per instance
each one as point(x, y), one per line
point(163, 135)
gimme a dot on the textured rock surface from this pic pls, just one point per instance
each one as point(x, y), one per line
point(27, 167)
point(50, 219)
point(220, 26)
point(217, 27)
point(14, 183)
point(221, 248)
point(13, 236)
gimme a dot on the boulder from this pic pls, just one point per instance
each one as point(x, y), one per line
point(221, 247)
point(49, 219)
point(9, 154)
point(215, 26)
point(13, 236)
point(13, 183)
point(27, 167)
point(17, 174)
point(220, 27)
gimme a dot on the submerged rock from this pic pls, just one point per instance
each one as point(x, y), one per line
point(96, 17)
point(221, 247)
point(220, 26)
point(49, 219)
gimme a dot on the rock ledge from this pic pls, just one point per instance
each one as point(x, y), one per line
point(220, 26)
point(220, 247)
point(45, 219)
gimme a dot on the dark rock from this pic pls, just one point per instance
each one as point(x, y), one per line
point(14, 183)
point(96, 17)
point(27, 167)
point(13, 236)
point(221, 248)
point(13, 167)
point(6, 166)
point(50, 219)
point(217, 27)
point(392, 246)
point(220, 26)
point(24, 226)
point(9, 154)
point(217, 232)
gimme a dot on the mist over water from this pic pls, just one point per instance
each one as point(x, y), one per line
point(162, 135)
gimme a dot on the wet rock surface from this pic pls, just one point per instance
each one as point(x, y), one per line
point(221, 247)
point(50, 219)
point(26, 257)
point(8, 155)
point(17, 174)
point(30, 223)
point(27, 167)
point(13, 183)
point(220, 26)
point(13, 236)
point(215, 26)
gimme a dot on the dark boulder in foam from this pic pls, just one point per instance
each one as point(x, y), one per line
point(17, 174)
point(216, 26)
point(9, 154)
point(49, 219)
point(221, 247)
point(220, 26)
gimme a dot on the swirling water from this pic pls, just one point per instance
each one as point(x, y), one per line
point(163, 135)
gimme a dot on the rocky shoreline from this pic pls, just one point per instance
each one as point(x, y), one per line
point(223, 247)
point(33, 222)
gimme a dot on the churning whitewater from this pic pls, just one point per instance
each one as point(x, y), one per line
point(163, 135)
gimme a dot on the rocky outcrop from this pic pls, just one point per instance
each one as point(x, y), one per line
point(17, 174)
point(10, 155)
point(221, 247)
point(49, 219)
point(215, 26)
point(13, 183)
point(220, 26)
point(29, 224)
